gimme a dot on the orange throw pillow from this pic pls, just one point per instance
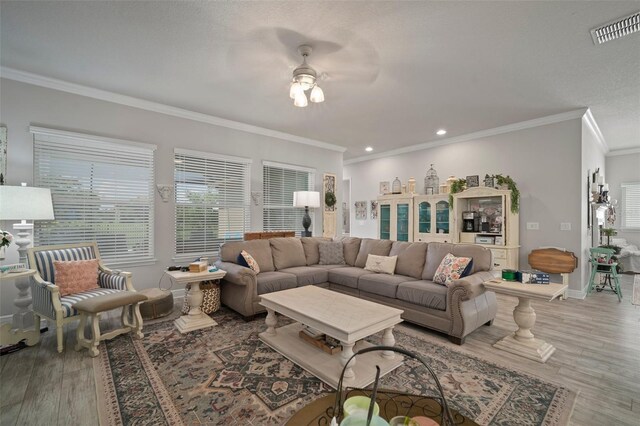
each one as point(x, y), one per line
point(76, 276)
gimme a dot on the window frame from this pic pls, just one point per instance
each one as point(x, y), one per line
point(245, 163)
point(310, 187)
point(624, 208)
point(46, 139)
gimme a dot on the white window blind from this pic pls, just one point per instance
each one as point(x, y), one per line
point(280, 181)
point(631, 205)
point(102, 191)
point(212, 201)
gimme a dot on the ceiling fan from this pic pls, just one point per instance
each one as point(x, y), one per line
point(304, 79)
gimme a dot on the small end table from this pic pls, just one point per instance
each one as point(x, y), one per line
point(11, 334)
point(195, 319)
point(522, 341)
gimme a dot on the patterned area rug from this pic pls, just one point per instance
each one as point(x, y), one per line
point(225, 375)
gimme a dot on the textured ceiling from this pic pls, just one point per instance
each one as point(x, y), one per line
point(395, 71)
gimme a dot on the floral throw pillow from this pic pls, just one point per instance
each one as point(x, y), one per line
point(246, 260)
point(451, 268)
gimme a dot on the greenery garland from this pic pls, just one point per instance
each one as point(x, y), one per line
point(515, 194)
point(456, 186)
point(459, 185)
point(330, 199)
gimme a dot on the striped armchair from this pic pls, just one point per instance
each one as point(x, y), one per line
point(47, 301)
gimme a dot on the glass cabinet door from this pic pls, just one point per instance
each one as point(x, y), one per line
point(442, 217)
point(402, 222)
point(385, 222)
point(424, 218)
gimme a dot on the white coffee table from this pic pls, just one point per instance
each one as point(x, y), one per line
point(195, 319)
point(345, 318)
point(522, 341)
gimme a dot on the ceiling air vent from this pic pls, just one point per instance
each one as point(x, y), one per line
point(616, 29)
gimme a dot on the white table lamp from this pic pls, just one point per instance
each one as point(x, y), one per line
point(306, 199)
point(25, 203)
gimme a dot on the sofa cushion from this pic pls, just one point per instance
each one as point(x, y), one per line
point(381, 264)
point(311, 249)
point(369, 246)
point(481, 256)
point(246, 260)
point(424, 293)
point(331, 253)
point(451, 268)
point(435, 253)
point(328, 267)
point(287, 252)
point(382, 284)
point(307, 275)
point(351, 247)
point(347, 276)
point(268, 282)
point(259, 249)
point(411, 258)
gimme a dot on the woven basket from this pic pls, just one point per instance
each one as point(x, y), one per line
point(211, 301)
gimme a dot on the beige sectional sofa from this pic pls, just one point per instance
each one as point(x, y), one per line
point(285, 263)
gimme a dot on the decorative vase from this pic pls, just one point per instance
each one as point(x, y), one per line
point(396, 187)
point(431, 182)
point(411, 186)
point(3, 252)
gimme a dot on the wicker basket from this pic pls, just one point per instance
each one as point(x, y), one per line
point(211, 301)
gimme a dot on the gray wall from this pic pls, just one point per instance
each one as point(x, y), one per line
point(544, 161)
point(22, 105)
point(623, 168)
point(592, 159)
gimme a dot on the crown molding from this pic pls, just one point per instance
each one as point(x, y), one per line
point(536, 122)
point(103, 95)
point(623, 151)
point(593, 126)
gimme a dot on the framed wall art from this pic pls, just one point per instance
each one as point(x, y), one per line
point(361, 210)
point(473, 181)
point(374, 209)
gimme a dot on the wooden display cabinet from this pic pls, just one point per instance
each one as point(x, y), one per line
point(395, 217)
point(432, 215)
point(501, 229)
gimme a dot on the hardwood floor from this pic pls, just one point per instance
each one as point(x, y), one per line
point(598, 356)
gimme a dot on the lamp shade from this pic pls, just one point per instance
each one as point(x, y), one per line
point(25, 203)
point(306, 199)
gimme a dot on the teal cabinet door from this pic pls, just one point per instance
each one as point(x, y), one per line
point(402, 222)
point(424, 217)
point(442, 217)
point(385, 222)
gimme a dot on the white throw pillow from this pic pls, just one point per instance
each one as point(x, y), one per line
point(381, 264)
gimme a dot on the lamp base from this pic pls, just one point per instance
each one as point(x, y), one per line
point(306, 222)
point(306, 233)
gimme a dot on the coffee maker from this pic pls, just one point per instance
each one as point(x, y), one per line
point(470, 221)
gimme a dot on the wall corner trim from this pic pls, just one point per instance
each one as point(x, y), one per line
point(623, 151)
point(528, 124)
point(104, 95)
point(593, 126)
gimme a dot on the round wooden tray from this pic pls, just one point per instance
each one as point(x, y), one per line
point(320, 411)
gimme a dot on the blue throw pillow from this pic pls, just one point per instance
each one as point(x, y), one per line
point(468, 269)
point(242, 261)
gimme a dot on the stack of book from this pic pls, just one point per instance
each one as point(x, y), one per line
point(532, 276)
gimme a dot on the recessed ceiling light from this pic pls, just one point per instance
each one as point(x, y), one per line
point(368, 149)
point(441, 132)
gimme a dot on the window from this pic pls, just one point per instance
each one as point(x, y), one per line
point(279, 183)
point(631, 205)
point(102, 190)
point(212, 201)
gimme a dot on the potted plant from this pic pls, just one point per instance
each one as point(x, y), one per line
point(609, 232)
point(5, 240)
point(457, 185)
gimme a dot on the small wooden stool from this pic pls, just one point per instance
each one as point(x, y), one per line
point(91, 309)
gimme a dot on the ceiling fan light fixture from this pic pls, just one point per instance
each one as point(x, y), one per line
point(304, 78)
point(295, 89)
point(300, 100)
point(317, 95)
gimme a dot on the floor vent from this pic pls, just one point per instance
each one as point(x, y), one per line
point(616, 29)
